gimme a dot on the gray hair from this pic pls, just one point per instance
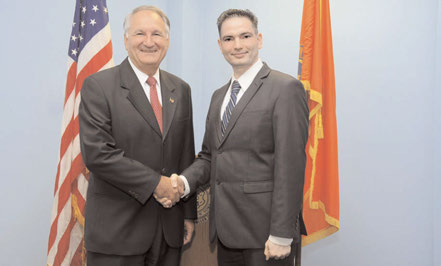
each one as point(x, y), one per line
point(236, 13)
point(155, 9)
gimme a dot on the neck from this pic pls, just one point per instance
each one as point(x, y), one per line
point(238, 71)
point(150, 71)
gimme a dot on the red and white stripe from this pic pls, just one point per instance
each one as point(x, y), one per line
point(66, 237)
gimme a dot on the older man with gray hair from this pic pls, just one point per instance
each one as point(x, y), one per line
point(136, 129)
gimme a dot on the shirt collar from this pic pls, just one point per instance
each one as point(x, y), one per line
point(143, 76)
point(247, 78)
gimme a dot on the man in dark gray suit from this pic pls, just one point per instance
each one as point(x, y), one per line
point(136, 129)
point(253, 153)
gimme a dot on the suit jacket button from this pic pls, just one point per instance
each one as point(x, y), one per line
point(163, 171)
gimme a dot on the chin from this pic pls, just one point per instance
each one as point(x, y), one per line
point(150, 60)
point(150, 63)
point(237, 62)
point(240, 64)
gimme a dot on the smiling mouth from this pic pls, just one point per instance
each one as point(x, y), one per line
point(149, 51)
point(239, 54)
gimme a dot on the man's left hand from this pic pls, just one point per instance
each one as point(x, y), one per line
point(188, 231)
point(275, 251)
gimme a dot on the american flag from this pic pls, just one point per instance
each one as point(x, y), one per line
point(90, 50)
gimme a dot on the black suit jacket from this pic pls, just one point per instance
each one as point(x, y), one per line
point(126, 154)
point(256, 170)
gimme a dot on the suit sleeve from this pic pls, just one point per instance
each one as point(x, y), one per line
point(100, 152)
point(190, 205)
point(198, 173)
point(290, 128)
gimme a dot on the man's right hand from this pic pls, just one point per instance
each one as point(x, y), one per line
point(178, 184)
point(167, 192)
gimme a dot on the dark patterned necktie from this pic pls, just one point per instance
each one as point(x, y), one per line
point(235, 88)
point(154, 101)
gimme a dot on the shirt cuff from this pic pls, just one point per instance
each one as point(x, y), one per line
point(187, 186)
point(280, 240)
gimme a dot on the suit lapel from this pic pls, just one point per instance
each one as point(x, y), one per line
point(246, 98)
point(169, 102)
point(137, 96)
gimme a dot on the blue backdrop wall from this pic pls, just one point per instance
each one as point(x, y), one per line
point(387, 65)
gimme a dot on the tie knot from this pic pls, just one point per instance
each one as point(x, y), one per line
point(151, 81)
point(235, 87)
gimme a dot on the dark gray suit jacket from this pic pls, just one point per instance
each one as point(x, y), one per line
point(256, 170)
point(123, 148)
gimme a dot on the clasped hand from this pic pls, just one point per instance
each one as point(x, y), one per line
point(169, 190)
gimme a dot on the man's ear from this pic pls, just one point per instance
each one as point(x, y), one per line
point(259, 40)
point(219, 44)
point(125, 41)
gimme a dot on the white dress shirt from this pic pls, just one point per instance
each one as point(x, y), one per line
point(142, 77)
point(244, 81)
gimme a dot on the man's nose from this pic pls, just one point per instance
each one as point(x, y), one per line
point(237, 44)
point(148, 41)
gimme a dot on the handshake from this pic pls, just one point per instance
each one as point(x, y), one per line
point(169, 190)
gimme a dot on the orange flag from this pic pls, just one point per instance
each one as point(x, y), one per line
point(316, 71)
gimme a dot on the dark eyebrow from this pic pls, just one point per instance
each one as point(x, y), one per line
point(246, 33)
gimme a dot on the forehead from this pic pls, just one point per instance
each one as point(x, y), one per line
point(236, 25)
point(146, 19)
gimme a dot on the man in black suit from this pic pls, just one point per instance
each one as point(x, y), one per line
point(253, 153)
point(136, 129)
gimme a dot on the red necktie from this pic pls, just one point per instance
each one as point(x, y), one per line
point(154, 101)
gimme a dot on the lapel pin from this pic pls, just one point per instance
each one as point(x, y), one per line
point(172, 100)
